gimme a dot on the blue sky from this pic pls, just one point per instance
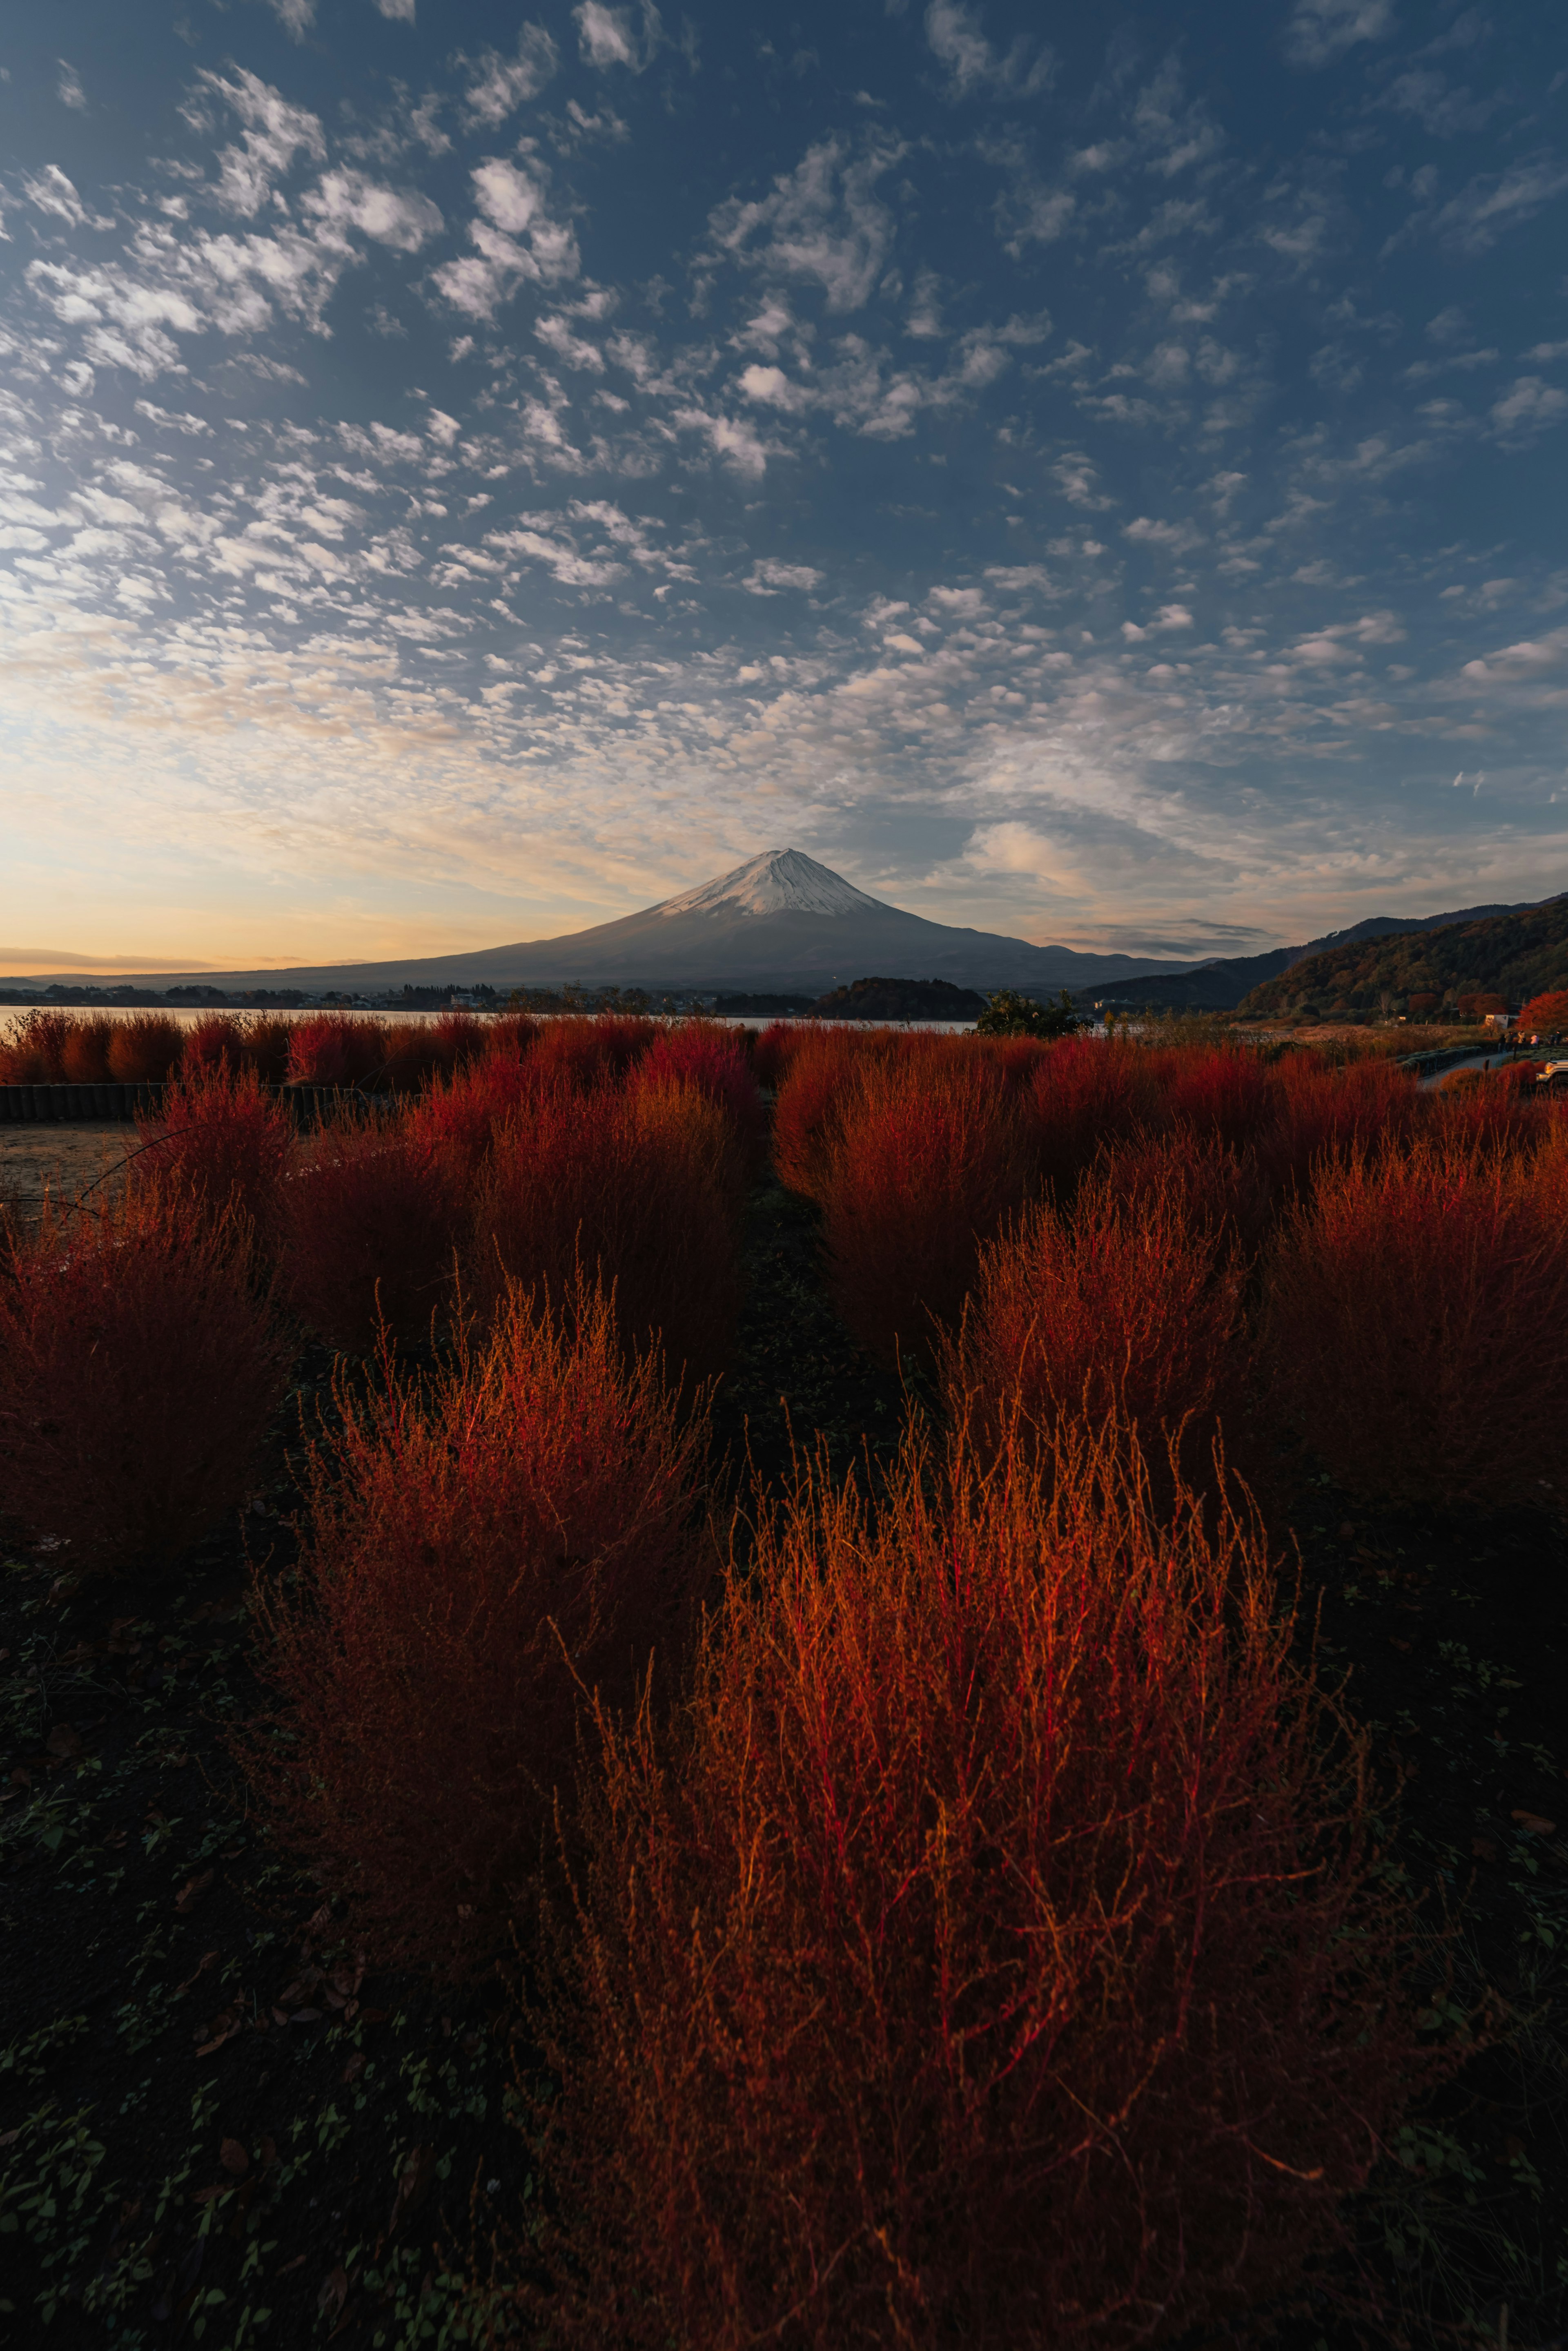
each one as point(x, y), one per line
point(467, 473)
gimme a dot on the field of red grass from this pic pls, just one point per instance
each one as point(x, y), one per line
point(962, 1918)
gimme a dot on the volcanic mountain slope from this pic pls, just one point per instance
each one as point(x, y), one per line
point(778, 920)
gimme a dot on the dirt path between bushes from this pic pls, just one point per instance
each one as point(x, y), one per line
point(62, 1161)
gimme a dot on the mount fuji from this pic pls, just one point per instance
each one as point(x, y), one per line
point(781, 921)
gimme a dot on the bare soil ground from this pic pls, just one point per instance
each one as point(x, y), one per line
point(61, 1161)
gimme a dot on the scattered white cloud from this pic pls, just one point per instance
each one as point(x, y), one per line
point(613, 36)
point(767, 576)
point(526, 591)
point(957, 41)
point(401, 217)
point(1029, 210)
point(296, 16)
point(1493, 202)
point(68, 88)
point(1319, 31)
point(823, 221)
point(52, 192)
point(1173, 538)
point(1529, 407)
point(772, 388)
point(732, 438)
point(497, 86)
point(515, 237)
point(273, 132)
point(1078, 479)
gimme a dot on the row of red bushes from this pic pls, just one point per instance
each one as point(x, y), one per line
point(968, 1927)
point(1200, 1236)
point(955, 1920)
point(139, 1347)
point(56, 1048)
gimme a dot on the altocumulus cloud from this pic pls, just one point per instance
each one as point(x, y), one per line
point(1086, 488)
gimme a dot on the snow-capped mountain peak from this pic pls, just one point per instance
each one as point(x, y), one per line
point(779, 881)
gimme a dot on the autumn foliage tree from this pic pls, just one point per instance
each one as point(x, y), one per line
point(1546, 1014)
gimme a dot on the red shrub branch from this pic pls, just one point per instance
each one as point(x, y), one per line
point(145, 1049)
point(337, 1049)
point(1087, 1091)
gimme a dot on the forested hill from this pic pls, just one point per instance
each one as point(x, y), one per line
point(1516, 955)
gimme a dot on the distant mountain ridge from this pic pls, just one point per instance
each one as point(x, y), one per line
point(781, 922)
point(1519, 952)
point(1223, 984)
point(774, 922)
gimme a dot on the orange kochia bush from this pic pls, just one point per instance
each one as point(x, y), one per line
point(928, 1157)
point(990, 1950)
point(1130, 1308)
point(219, 1142)
point(642, 1190)
point(487, 1548)
point(138, 1371)
point(372, 1225)
point(1415, 1317)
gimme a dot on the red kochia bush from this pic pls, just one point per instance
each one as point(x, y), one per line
point(137, 1374)
point(589, 1050)
point(638, 1189)
point(1323, 1111)
point(1486, 1112)
point(1130, 1308)
point(370, 1223)
point(84, 1052)
point(775, 1049)
point(929, 1160)
point(216, 1041)
point(485, 1548)
point(811, 1096)
point(511, 1033)
point(337, 1049)
point(31, 1054)
point(990, 1952)
point(1414, 1324)
point(219, 1143)
point(264, 1046)
point(1223, 1091)
point(418, 1050)
point(701, 1054)
point(1086, 1092)
point(145, 1049)
point(459, 1118)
